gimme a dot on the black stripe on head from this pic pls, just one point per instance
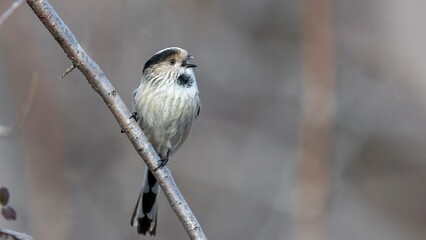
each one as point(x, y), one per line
point(160, 57)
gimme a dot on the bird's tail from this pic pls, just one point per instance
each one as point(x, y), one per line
point(145, 214)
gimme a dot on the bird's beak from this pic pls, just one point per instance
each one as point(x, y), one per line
point(189, 65)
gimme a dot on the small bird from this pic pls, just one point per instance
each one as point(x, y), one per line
point(167, 103)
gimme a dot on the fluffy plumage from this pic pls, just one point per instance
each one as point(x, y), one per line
point(167, 103)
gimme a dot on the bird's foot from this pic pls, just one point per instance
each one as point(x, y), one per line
point(161, 163)
point(134, 116)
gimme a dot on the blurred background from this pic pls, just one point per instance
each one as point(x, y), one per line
point(311, 127)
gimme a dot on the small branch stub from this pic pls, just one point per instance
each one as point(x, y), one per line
point(67, 71)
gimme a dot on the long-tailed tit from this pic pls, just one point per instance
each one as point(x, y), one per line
point(167, 103)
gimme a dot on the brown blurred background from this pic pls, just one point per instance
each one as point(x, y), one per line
point(312, 120)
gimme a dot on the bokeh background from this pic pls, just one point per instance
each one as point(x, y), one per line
point(312, 123)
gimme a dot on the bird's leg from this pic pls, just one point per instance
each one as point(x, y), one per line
point(163, 161)
point(134, 116)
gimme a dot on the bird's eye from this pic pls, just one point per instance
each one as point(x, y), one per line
point(172, 61)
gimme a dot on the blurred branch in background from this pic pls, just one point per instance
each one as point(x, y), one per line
point(10, 234)
point(43, 202)
point(318, 106)
point(24, 113)
point(47, 203)
point(15, 5)
point(97, 79)
point(6, 131)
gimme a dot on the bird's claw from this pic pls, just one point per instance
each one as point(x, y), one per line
point(161, 163)
point(134, 116)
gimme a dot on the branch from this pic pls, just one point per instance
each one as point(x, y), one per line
point(97, 79)
point(5, 233)
point(15, 5)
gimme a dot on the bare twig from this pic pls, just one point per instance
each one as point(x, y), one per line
point(67, 71)
point(10, 234)
point(15, 5)
point(97, 79)
point(24, 111)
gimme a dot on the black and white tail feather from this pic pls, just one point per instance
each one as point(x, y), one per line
point(145, 213)
point(167, 103)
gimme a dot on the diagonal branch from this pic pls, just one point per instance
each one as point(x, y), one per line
point(97, 79)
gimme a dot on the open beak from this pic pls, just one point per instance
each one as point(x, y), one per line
point(189, 65)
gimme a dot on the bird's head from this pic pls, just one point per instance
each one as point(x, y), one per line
point(169, 66)
point(169, 59)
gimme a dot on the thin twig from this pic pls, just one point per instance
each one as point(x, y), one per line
point(97, 79)
point(67, 71)
point(15, 5)
point(7, 233)
point(24, 111)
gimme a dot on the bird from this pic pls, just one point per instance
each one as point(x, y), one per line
point(166, 103)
